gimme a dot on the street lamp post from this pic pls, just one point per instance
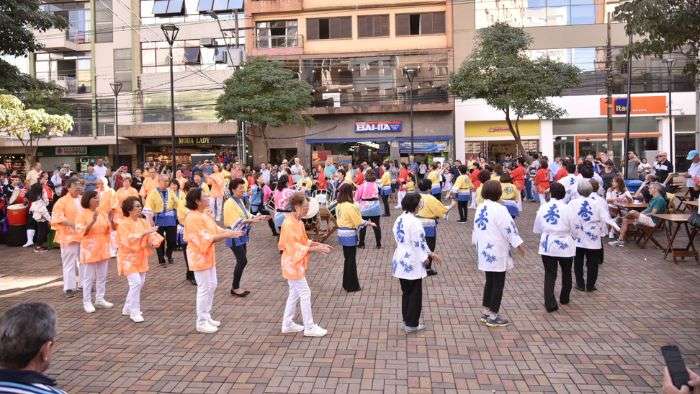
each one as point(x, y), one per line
point(669, 66)
point(170, 31)
point(410, 74)
point(116, 88)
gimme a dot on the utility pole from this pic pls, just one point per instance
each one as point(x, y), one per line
point(608, 88)
point(93, 65)
point(629, 106)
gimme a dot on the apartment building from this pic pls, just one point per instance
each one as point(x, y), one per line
point(353, 53)
point(575, 31)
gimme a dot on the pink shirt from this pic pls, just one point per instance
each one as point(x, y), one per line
point(366, 191)
point(282, 198)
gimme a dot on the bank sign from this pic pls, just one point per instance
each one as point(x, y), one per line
point(378, 126)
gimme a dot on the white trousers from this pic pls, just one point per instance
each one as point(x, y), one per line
point(132, 304)
point(113, 243)
point(542, 197)
point(206, 286)
point(70, 253)
point(298, 292)
point(400, 196)
point(94, 273)
point(216, 204)
point(472, 199)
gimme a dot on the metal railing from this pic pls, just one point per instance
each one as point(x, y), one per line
point(279, 41)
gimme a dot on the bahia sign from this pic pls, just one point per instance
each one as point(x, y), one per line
point(378, 126)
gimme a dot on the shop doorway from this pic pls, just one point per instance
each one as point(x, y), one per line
point(278, 155)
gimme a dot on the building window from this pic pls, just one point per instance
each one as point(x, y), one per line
point(192, 55)
point(219, 6)
point(537, 13)
point(420, 24)
point(329, 28)
point(168, 7)
point(276, 34)
point(205, 54)
point(373, 26)
point(583, 58)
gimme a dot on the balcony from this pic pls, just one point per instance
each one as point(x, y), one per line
point(274, 45)
point(255, 7)
point(72, 85)
point(55, 40)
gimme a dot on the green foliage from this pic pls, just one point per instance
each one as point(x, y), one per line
point(33, 92)
point(19, 19)
point(263, 93)
point(500, 73)
point(663, 26)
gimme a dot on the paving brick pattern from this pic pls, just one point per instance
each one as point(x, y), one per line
point(606, 341)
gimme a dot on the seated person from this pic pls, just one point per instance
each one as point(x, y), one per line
point(657, 205)
point(643, 192)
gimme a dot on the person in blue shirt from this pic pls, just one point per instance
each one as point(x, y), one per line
point(329, 170)
point(90, 179)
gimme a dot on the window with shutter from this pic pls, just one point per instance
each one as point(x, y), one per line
point(312, 29)
point(426, 23)
point(373, 26)
point(438, 22)
point(345, 27)
point(403, 24)
point(364, 26)
point(381, 25)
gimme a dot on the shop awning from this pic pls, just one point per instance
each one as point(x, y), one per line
point(427, 138)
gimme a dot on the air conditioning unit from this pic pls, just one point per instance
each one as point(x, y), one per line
point(207, 42)
point(335, 97)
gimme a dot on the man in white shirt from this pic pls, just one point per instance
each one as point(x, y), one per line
point(693, 175)
point(570, 182)
point(265, 173)
point(100, 169)
point(33, 174)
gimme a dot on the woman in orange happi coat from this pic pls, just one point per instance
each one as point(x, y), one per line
point(217, 184)
point(201, 233)
point(121, 195)
point(95, 228)
point(136, 239)
point(296, 249)
point(63, 218)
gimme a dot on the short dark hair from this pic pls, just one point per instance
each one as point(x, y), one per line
point(24, 329)
point(506, 178)
point(128, 204)
point(463, 169)
point(193, 196)
point(543, 163)
point(87, 196)
point(345, 193)
point(371, 176)
point(297, 199)
point(556, 190)
point(491, 190)
point(233, 185)
point(282, 182)
point(410, 202)
point(570, 167)
point(425, 185)
point(484, 176)
point(586, 170)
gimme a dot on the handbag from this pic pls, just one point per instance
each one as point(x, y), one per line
point(694, 219)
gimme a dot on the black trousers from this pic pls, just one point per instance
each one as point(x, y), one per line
point(431, 245)
point(593, 258)
point(170, 235)
point(190, 274)
point(350, 281)
point(42, 233)
point(270, 222)
point(385, 200)
point(493, 290)
point(411, 301)
point(551, 265)
point(463, 209)
point(377, 230)
point(241, 261)
point(438, 196)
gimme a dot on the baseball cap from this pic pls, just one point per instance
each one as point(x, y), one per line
point(692, 154)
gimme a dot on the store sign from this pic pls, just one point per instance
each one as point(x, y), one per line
point(70, 150)
point(423, 147)
point(193, 140)
point(378, 126)
point(641, 105)
point(528, 128)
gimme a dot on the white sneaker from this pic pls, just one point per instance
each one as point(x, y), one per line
point(88, 307)
point(28, 244)
point(206, 328)
point(125, 312)
point(315, 331)
point(136, 317)
point(102, 304)
point(292, 327)
point(213, 322)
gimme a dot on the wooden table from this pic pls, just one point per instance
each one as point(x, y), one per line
point(690, 203)
point(637, 206)
point(673, 223)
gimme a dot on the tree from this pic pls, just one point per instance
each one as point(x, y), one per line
point(500, 73)
point(264, 94)
point(28, 126)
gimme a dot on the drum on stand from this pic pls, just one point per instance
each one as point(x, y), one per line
point(314, 206)
point(17, 215)
point(16, 236)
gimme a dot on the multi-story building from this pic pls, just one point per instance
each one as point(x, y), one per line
point(575, 31)
point(353, 53)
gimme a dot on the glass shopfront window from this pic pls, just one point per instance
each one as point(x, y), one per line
point(528, 13)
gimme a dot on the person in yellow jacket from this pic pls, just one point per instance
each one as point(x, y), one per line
point(461, 190)
point(435, 178)
point(510, 197)
point(349, 221)
point(385, 188)
point(160, 206)
point(430, 211)
point(305, 183)
point(237, 217)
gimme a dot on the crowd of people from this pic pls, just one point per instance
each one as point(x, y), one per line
point(101, 214)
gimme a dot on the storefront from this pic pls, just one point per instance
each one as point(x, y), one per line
point(684, 127)
point(494, 140)
point(160, 149)
point(77, 157)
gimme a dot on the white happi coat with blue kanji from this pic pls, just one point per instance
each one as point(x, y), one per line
point(494, 235)
point(555, 224)
point(411, 250)
point(589, 219)
point(570, 183)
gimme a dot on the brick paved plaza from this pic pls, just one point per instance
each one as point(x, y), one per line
point(603, 341)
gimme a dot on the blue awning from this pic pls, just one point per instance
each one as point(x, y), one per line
point(428, 138)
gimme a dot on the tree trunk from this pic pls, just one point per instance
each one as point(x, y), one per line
point(515, 131)
point(263, 128)
point(30, 148)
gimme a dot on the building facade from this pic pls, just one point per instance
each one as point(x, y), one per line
point(576, 32)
